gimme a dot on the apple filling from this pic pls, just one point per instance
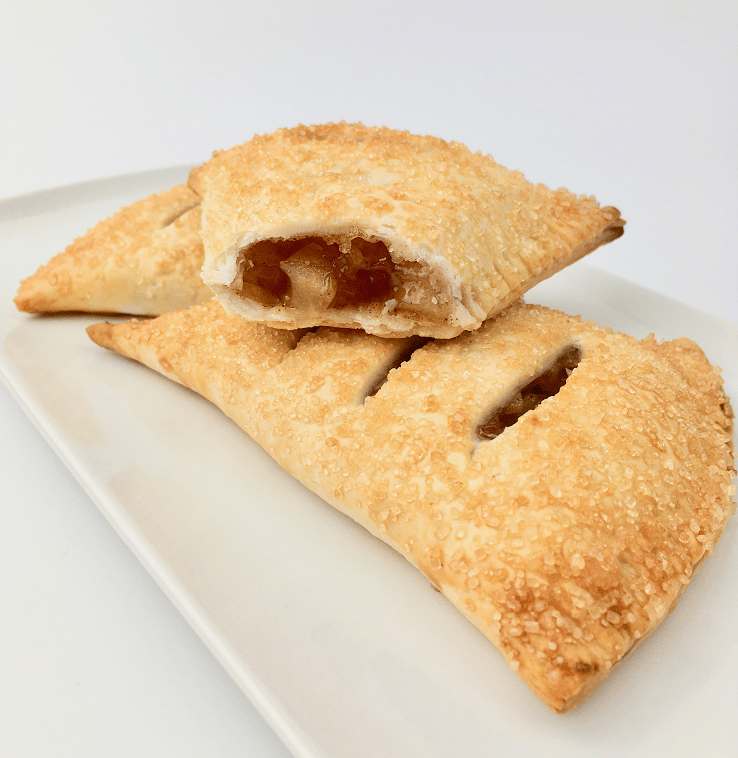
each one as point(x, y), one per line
point(314, 274)
point(545, 385)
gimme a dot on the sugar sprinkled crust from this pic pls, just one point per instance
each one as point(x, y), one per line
point(566, 540)
point(465, 234)
point(143, 260)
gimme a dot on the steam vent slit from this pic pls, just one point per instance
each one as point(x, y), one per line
point(526, 398)
point(180, 212)
point(301, 334)
point(403, 356)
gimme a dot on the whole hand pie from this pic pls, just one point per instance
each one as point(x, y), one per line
point(558, 482)
point(143, 260)
point(345, 225)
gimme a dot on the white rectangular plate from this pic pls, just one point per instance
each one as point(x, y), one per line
point(344, 647)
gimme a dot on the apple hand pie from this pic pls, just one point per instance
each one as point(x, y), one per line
point(558, 482)
point(399, 235)
point(143, 260)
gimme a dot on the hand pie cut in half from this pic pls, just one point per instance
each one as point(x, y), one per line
point(558, 482)
point(143, 260)
point(349, 226)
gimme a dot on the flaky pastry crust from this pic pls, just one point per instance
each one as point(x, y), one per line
point(143, 260)
point(566, 539)
point(464, 236)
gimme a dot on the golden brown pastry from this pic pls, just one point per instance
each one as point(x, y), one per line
point(345, 225)
point(558, 482)
point(143, 260)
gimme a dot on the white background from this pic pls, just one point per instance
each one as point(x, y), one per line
point(634, 102)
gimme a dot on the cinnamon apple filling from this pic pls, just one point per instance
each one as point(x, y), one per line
point(545, 385)
point(314, 274)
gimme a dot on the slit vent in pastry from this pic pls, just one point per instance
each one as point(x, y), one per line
point(349, 226)
point(566, 540)
point(405, 350)
point(526, 398)
point(143, 260)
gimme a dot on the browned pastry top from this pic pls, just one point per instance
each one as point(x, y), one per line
point(462, 236)
point(142, 260)
point(566, 539)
